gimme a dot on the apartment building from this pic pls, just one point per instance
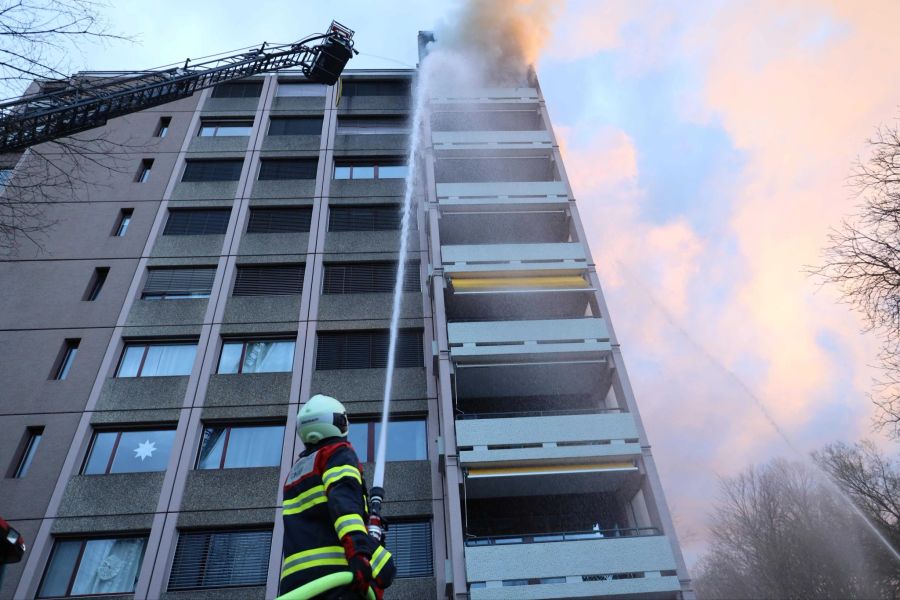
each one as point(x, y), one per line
point(236, 254)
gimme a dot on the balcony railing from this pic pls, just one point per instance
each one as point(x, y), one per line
point(464, 416)
point(494, 257)
point(479, 341)
point(491, 140)
point(518, 95)
point(540, 193)
point(567, 536)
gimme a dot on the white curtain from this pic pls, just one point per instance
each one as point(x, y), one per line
point(169, 360)
point(109, 566)
point(269, 357)
point(254, 447)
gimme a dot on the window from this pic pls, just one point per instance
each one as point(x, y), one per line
point(367, 125)
point(269, 280)
point(178, 283)
point(288, 168)
point(367, 349)
point(370, 170)
point(123, 222)
point(96, 284)
point(368, 277)
point(246, 89)
point(157, 360)
point(81, 567)
point(212, 170)
point(410, 543)
point(225, 127)
point(387, 87)
point(32, 439)
point(134, 451)
point(65, 359)
point(215, 559)
point(266, 356)
point(143, 174)
point(406, 440)
point(280, 220)
point(365, 218)
point(295, 126)
point(293, 90)
point(162, 130)
point(235, 447)
point(212, 221)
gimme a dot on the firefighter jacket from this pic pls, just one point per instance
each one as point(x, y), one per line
point(325, 516)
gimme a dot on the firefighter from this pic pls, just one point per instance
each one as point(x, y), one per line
point(328, 553)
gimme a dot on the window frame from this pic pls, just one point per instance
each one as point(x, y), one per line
point(115, 448)
point(74, 575)
point(95, 284)
point(175, 294)
point(147, 346)
point(265, 164)
point(162, 129)
point(286, 119)
point(372, 440)
point(330, 278)
point(242, 279)
point(244, 342)
point(228, 426)
point(351, 165)
point(255, 85)
point(182, 212)
point(28, 449)
point(188, 164)
point(256, 219)
point(122, 223)
point(144, 171)
point(66, 358)
point(221, 125)
point(203, 565)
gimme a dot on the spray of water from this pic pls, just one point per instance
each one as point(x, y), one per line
point(417, 124)
point(826, 476)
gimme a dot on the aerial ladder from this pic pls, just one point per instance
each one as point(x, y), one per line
point(86, 101)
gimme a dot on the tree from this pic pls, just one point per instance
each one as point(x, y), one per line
point(38, 39)
point(863, 260)
point(780, 531)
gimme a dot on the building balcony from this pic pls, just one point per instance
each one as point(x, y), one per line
point(491, 140)
point(471, 258)
point(539, 194)
point(637, 566)
point(488, 96)
point(539, 439)
point(487, 341)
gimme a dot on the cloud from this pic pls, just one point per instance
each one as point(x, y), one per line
point(796, 89)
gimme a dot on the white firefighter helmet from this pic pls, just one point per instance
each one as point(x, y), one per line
point(321, 417)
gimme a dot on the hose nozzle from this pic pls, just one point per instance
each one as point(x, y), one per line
point(376, 525)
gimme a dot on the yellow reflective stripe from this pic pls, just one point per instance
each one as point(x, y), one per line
point(379, 559)
point(319, 489)
point(316, 557)
point(333, 474)
point(347, 523)
point(306, 505)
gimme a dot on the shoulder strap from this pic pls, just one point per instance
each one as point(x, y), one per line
point(325, 453)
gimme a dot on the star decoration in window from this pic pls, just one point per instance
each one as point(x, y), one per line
point(145, 450)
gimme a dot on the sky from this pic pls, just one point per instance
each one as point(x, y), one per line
point(708, 144)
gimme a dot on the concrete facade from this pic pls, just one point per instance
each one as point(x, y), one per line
point(465, 359)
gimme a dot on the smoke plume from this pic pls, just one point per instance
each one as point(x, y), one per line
point(499, 38)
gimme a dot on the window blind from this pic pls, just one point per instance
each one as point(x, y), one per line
point(367, 349)
point(210, 559)
point(246, 89)
point(410, 543)
point(279, 220)
point(295, 126)
point(368, 277)
point(212, 170)
point(365, 218)
point(375, 88)
point(290, 168)
point(197, 222)
point(269, 280)
point(179, 281)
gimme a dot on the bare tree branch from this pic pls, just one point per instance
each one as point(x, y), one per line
point(862, 260)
